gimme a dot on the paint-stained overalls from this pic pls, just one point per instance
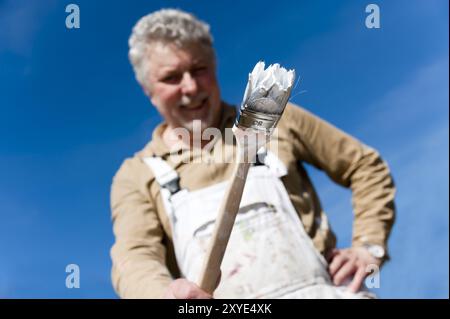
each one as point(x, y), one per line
point(269, 254)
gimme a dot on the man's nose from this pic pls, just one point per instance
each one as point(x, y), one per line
point(189, 84)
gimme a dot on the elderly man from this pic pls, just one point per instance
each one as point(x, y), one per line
point(162, 198)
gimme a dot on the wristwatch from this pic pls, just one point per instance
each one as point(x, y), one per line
point(376, 251)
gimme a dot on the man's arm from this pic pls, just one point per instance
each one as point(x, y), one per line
point(138, 255)
point(351, 164)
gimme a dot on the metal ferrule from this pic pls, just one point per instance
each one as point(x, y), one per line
point(248, 119)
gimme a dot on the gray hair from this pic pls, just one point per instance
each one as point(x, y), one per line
point(166, 26)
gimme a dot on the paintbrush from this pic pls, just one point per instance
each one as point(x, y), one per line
point(265, 99)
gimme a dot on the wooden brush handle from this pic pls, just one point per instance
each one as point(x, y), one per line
point(223, 227)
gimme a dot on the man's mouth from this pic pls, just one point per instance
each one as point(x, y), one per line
point(197, 106)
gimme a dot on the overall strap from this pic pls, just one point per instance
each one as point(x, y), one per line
point(169, 182)
point(165, 175)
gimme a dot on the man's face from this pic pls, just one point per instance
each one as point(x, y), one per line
point(183, 86)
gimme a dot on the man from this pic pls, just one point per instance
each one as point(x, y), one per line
point(174, 62)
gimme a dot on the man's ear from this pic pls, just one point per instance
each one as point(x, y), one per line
point(151, 99)
point(146, 91)
point(149, 95)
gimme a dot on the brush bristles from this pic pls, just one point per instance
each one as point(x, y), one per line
point(266, 96)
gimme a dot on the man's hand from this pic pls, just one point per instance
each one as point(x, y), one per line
point(184, 289)
point(351, 262)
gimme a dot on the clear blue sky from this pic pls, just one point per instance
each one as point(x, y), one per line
point(71, 111)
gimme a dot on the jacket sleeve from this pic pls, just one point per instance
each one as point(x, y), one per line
point(138, 255)
point(351, 164)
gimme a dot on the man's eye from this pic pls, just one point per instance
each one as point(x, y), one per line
point(199, 70)
point(171, 79)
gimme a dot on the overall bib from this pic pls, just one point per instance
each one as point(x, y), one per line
point(269, 254)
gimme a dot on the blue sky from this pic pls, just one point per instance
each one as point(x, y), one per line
point(71, 111)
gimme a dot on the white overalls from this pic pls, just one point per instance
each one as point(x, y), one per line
point(269, 254)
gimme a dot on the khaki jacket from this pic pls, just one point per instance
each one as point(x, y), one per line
point(143, 255)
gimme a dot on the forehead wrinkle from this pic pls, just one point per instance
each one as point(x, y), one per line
point(183, 63)
point(168, 58)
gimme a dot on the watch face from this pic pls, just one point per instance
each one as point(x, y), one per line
point(376, 250)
